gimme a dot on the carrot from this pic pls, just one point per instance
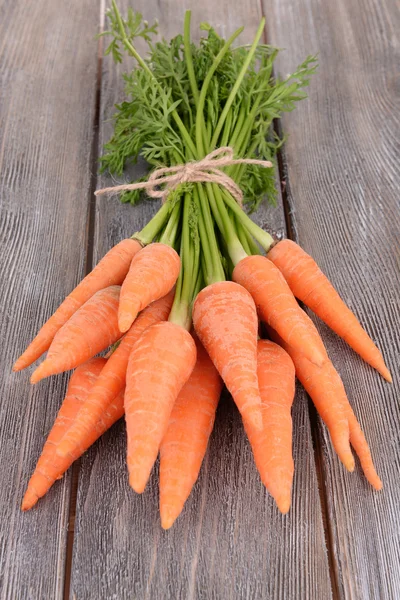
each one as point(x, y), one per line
point(278, 307)
point(272, 447)
point(111, 270)
point(51, 467)
point(152, 274)
point(160, 363)
point(225, 319)
point(323, 390)
point(325, 387)
point(357, 438)
point(89, 331)
point(312, 287)
point(361, 447)
point(112, 379)
point(184, 445)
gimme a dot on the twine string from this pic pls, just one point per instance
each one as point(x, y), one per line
point(206, 170)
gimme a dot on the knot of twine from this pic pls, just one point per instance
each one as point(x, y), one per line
point(206, 170)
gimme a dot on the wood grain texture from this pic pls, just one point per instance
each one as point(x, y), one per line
point(230, 541)
point(343, 173)
point(48, 78)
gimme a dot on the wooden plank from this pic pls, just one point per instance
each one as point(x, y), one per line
point(48, 79)
point(230, 542)
point(342, 160)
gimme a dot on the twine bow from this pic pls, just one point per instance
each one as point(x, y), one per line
point(206, 170)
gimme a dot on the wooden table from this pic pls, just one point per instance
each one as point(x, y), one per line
point(91, 537)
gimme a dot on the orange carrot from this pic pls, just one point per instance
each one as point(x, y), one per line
point(361, 447)
point(185, 443)
point(278, 307)
point(225, 319)
point(325, 387)
point(160, 363)
point(322, 388)
point(272, 447)
point(51, 467)
point(312, 287)
point(152, 274)
point(111, 380)
point(89, 331)
point(111, 270)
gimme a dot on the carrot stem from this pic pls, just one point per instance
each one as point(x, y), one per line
point(154, 226)
point(235, 249)
point(188, 56)
point(262, 237)
point(200, 124)
point(237, 85)
point(213, 270)
point(181, 308)
point(170, 232)
point(246, 239)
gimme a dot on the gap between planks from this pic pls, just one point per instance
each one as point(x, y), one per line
point(312, 413)
point(94, 156)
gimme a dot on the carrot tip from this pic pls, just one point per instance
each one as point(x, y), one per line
point(125, 320)
point(283, 503)
point(18, 366)
point(29, 501)
point(35, 377)
point(137, 485)
point(43, 370)
point(168, 518)
point(384, 371)
point(348, 461)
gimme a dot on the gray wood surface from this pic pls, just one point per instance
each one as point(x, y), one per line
point(343, 178)
point(47, 92)
point(230, 542)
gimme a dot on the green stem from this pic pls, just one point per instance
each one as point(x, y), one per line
point(206, 251)
point(188, 56)
point(238, 128)
point(200, 126)
point(154, 226)
point(241, 233)
point(214, 270)
point(227, 129)
point(189, 273)
point(197, 285)
point(171, 230)
point(246, 238)
point(263, 237)
point(237, 85)
point(235, 248)
point(187, 257)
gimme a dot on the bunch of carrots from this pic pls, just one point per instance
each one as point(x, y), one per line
point(180, 304)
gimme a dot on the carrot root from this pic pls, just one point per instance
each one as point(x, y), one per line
point(159, 365)
point(278, 307)
point(312, 287)
point(272, 447)
point(185, 442)
point(111, 270)
point(152, 274)
point(225, 319)
point(112, 379)
point(89, 331)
